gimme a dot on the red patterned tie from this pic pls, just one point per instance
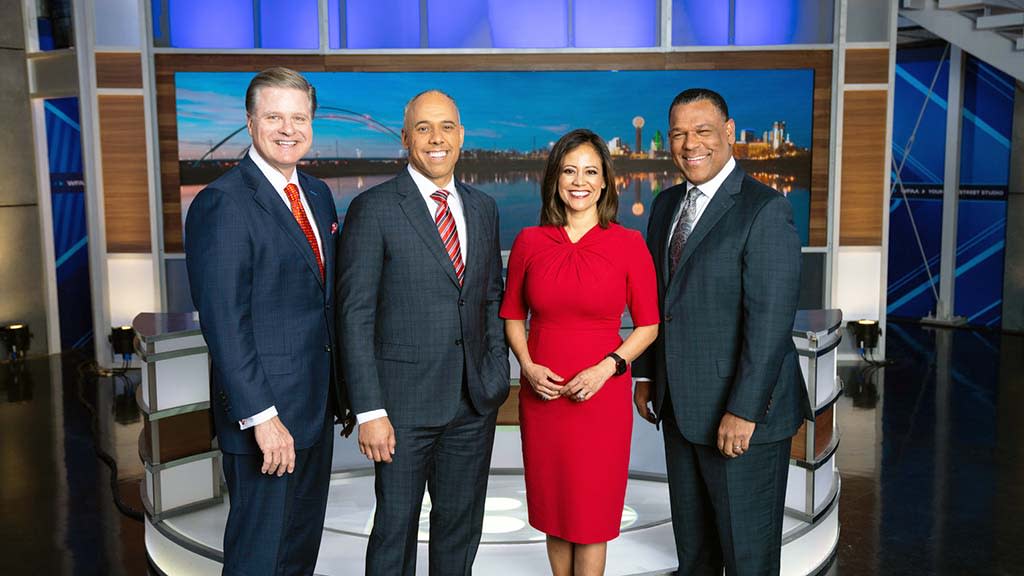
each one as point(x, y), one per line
point(300, 216)
point(449, 234)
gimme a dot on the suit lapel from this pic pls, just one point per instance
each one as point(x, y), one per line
point(268, 199)
point(422, 221)
point(322, 208)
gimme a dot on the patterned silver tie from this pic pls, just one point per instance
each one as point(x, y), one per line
point(684, 225)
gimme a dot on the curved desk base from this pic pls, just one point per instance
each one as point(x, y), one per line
point(190, 543)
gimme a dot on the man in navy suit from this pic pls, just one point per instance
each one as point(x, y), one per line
point(726, 380)
point(424, 356)
point(260, 244)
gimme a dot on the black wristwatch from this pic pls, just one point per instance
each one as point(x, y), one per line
point(620, 364)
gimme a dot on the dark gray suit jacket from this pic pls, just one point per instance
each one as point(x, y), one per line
point(409, 333)
point(725, 340)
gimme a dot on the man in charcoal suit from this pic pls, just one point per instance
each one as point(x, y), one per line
point(723, 375)
point(424, 349)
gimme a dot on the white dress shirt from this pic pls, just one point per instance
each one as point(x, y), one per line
point(708, 191)
point(426, 188)
point(278, 181)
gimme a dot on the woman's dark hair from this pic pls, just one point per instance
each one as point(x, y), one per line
point(552, 212)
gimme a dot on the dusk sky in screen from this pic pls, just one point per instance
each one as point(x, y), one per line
point(500, 110)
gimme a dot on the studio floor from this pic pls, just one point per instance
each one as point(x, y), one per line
point(931, 458)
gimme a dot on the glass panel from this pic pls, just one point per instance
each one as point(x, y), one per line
point(459, 24)
point(179, 295)
point(289, 24)
point(615, 23)
point(156, 8)
point(529, 23)
point(54, 24)
point(768, 22)
point(867, 21)
point(812, 281)
point(382, 23)
point(117, 23)
point(334, 23)
point(204, 24)
point(70, 236)
point(700, 22)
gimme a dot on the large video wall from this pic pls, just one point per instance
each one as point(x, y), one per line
point(512, 118)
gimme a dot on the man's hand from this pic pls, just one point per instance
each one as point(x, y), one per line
point(377, 439)
point(734, 435)
point(277, 446)
point(642, 397)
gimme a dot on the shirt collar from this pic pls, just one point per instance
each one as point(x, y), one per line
point(426, 187)
point(711, 186)
point(277, 180)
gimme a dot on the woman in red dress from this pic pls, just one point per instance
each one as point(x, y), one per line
point(574, 275)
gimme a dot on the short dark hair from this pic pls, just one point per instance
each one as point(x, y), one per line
point(691, 95)
point(278, 77)
point(552, 212)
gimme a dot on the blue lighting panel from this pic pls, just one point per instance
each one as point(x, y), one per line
point(700, 22)
point(289, 24)
point(615, 23)
point(382, 23)
point(458, 24)
point(529, 23)
point(772, 22)
point(205, 24)
point(334, 23)
point(156, 11)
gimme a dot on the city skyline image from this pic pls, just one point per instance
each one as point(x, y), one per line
point(511, 120)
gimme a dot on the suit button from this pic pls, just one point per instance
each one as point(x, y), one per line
point(668, 317)
point(458, 342)
point(327, 306)
point(327, 347)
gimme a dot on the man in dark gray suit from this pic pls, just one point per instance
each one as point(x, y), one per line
point(723, 374)
point(424, 350)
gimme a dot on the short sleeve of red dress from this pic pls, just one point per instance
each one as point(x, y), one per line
point(642, 288)
point(513, 305)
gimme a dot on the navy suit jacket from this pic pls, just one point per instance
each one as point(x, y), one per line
point(410, 334)
point(265, 311)
point(725, 341)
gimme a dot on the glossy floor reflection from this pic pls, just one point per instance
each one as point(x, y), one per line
point(932, 460)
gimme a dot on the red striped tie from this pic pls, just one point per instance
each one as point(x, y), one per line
point(300, 216)
point(449, 234)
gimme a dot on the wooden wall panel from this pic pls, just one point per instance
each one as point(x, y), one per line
point(864, 171)
point(819, 60)
point(118, 70)
point(125, 176)
point(867, 66)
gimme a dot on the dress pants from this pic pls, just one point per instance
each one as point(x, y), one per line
point(726, 512)
point(453, 463)
point(275, 522)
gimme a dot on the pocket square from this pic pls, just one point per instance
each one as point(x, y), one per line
point(334, 227)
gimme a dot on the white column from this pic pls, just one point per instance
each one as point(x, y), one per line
point(951, 187)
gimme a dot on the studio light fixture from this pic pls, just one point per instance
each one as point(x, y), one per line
point(17, 339)
point(865, 333)
point(122, 340)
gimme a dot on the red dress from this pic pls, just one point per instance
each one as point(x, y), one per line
point(576, 454)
